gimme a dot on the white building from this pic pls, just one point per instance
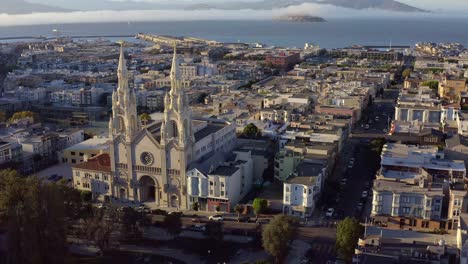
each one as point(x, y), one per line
point(302, 189)
point(224, 184)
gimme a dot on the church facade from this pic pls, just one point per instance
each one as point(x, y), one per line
point(150, 163)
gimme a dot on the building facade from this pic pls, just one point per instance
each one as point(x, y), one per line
point(150, 163)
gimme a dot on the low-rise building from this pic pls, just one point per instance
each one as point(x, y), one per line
point(86, 149)
point(219, 183)
point(302, 189)
point(94, 176)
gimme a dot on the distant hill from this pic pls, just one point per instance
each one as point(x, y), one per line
point(389, 5)
point(86, 5)
point(23, 7)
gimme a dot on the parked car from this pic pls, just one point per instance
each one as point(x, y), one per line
point(367, 126)
point(216, 218)
point(198, 227)
point(330, 212)
point(344, 181)
point(364, 194)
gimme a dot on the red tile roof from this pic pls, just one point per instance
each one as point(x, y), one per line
point(101, 162)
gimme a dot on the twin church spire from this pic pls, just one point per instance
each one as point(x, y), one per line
point(177, 123)
point(124, 120)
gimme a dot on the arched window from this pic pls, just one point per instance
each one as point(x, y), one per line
point(121, 125)
point(173, 129)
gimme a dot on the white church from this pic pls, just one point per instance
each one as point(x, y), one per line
point(170, 163)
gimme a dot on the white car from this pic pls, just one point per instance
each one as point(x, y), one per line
point(216, 218)
point(330, 212)
point(364, 194)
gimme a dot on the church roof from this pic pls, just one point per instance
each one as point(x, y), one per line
point(101, 162)
point(208, 130)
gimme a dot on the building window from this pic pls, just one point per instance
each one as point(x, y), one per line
point(211, 183)
point(73, 160)
point(72, 153)
point(406, 210)
point(404, 199)
point(287, 189)
point(222, 193)
point(106, 178)
point(295, 188)
point(222, 185)
point(286, 198)
point(456, 213)
point(77, 173)
point(457, 202)
point(81, 154)
point(211, 192)
point(96, 176)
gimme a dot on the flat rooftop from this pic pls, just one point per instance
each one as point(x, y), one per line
point(400, 187)
point(96, 143)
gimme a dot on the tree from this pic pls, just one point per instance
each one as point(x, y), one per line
point(278, 234)
point(434, 85)
point(214, 231)
point(86, 196)
point(36, 227)
point(347, 234)
point(250, 131)
point(406, 73)
point(195, 206)
point(131, 224)
point(145, 118)
point(24, 114)
point(377, 145)
point(72, 200)
point(173, 224)
point(2, 117)
point(98, 227)
point(259, 205)
point(239, 209)
point(201, 98)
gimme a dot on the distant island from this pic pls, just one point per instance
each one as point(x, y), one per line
point(299, 18)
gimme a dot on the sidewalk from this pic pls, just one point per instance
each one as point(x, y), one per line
point(156, 233)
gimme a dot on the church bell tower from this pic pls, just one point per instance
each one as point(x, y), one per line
point(124, 120)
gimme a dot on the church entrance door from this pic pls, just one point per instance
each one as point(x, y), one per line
point(147, 189)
